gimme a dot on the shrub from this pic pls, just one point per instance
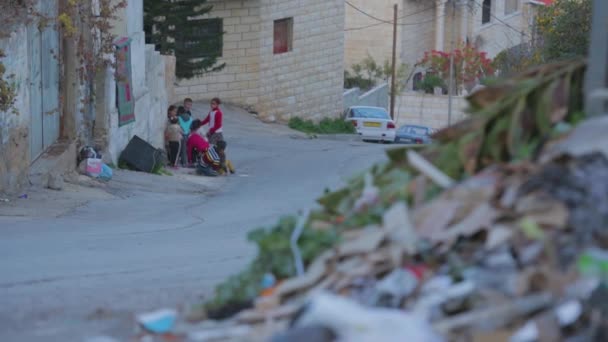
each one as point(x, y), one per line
point(325, 126)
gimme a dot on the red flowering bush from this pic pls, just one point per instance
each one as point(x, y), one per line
point(470, 65)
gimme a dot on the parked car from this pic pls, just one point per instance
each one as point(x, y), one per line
point(372, 123)
point(414, 134)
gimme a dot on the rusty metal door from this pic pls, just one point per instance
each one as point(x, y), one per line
point(43, 43)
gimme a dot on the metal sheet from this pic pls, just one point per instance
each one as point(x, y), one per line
point(50, 76)
point(35, 83)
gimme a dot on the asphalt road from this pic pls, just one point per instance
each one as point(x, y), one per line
point(84, 273)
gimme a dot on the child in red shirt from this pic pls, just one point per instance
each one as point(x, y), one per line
point(215, 122)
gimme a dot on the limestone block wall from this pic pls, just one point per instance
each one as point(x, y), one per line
point(14, 128)
point(238, 82)
point(365, 36)
point(307, 81)
point(418, 35)
point(429, 110)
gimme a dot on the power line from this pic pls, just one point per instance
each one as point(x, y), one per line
point(383, 21)
point(404, 24)
point(367, 14)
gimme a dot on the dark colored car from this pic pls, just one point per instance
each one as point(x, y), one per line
point(414, 134)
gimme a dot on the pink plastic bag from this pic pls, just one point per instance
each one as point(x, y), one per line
point(93, 167)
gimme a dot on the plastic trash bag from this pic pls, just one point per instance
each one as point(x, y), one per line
point(106, 173)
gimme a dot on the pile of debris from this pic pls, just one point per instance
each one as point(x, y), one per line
point(497, 233)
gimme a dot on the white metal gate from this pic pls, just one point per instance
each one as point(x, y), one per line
point(43, 45)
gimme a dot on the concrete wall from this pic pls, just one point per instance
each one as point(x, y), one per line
point(430, 110)
point(307, 81)
point(350, 98)
point(496, 36)
point(149, 87)
point(238, 81)
point(14, 128)
point(376, 97)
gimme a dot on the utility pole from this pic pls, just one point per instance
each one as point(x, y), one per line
point(451, 85)
point(596, 80)
point(394, 71)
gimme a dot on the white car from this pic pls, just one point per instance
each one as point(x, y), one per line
point(372, 123)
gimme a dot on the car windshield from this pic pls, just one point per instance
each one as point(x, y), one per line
point(370, 113)
point(415, 130)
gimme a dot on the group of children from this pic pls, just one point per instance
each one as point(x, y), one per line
point(190, 144)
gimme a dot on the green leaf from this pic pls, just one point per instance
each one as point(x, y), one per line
point(531, 229)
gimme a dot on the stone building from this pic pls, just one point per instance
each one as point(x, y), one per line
point(424, 25)
point(283, 58)
point(56, 112)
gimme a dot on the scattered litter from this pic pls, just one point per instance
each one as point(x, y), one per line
point(106, 173)
point(158, 322)
point(92, 167)
point(369, 195)
point(506, 241)
point(219, 334)
point(352, 322)
point(4, 200)
point(139, 155)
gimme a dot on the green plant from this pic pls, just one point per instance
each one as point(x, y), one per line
point(561, 31)
point(274, 256)
point(470, 65)
point(564, 29)
point(365, 75)
point(8, 93)
point(430, 82)
point(357, 81)
point(401, 75)
point(325, 126)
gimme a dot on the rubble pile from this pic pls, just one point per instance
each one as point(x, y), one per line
point(497, 233)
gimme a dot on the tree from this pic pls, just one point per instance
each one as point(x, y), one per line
point(564, 29)
point(175, 28)
point(374, 72)
point(470, 65)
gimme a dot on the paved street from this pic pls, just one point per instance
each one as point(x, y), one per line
point(151, 242)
